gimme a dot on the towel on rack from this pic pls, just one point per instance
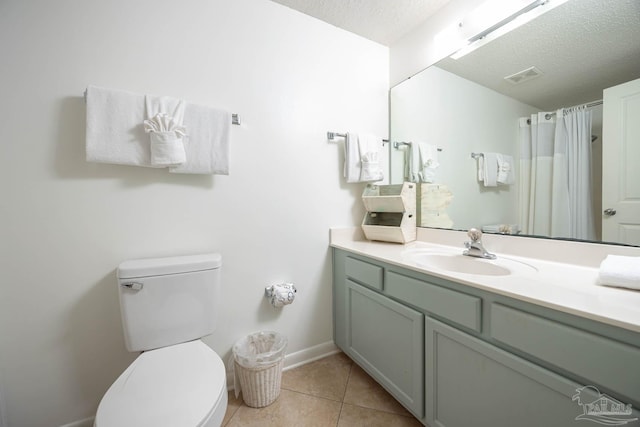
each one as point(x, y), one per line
point(505, 169)
point(620, 271)
point(428, 161)
point(165, 116)
point(115, 133)
point(490, 169)
point(369, 150)
point(207, 144)
point(362, 158)
point(352, 165)
point(421, 161)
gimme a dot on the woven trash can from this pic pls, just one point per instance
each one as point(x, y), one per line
point(258, 359)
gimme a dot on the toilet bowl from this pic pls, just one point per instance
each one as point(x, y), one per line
point(175, 386)
point(167, 305)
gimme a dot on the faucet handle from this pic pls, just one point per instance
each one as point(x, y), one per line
point(474, 234)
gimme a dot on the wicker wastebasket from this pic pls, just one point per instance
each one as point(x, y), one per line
point(258, 359)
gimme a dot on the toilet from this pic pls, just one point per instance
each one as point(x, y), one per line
point(167, 305)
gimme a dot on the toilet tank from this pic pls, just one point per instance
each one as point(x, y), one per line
point(166, 301)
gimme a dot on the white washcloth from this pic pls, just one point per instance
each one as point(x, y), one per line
point(490, 170)
point(166, 131)
point(505, 169)
point(115, 133)
point(207, 144)
point(352, 164)
point(369, 151)
point(620, 271)
point(428, 161)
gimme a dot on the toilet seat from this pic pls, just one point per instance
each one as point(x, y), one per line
point(183, 385)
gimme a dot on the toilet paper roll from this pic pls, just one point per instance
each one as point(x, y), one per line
point(280, 294)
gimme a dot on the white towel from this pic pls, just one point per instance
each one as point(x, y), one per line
point(412, 163)
point(428, 161)
point(369, 151)
point(505, 169)
point(490, 171)
point(207, 144)
point(165, 116)
point(362, 158)
point(115, 133)
point(352, 164)
point(620, 271)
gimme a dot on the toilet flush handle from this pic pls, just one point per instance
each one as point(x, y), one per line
point(135, 286)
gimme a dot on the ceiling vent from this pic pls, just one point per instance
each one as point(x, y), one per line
point(524, 75)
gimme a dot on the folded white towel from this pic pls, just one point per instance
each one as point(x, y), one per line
point(115, 133)
point(207, 144)
point(352, 164)
point(505, 169)
point(369, 151)
point(490, 171)
point(164, 125)
point(428, 161)
point(620, 271)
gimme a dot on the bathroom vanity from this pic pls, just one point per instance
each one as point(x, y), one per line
point(521, 341)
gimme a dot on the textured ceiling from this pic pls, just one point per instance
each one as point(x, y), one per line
point(383, 21)
point(581, 46)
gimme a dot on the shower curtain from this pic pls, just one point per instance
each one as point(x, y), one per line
point(555, 174)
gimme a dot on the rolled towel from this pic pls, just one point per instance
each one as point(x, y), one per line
point(620, 271)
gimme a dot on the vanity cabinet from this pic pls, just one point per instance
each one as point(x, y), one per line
point(384, 337)
point(456, 356)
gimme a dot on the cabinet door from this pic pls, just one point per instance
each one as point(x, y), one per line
point(472, 383)
point(387, 340)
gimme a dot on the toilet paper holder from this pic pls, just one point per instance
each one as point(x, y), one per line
point(280, 294)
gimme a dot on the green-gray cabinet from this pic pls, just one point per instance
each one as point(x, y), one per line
point(457, 356)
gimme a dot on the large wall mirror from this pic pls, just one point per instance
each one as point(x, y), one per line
point(501, 132)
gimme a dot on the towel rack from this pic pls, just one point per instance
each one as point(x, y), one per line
point(396, 144)
point(476, 155)
point(333, 135)
point(235, 118)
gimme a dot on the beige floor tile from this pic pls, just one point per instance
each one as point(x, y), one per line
point(326, 377)
point(355, 416)
point(290, 409)
point(363, 391)
point(232, 407)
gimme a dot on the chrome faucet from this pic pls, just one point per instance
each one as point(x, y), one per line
point(474, 247)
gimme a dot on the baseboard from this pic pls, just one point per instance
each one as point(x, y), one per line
point(87, 422)
point(299, 358)
point(309, 355)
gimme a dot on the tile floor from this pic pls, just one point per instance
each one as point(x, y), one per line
point(332, 391)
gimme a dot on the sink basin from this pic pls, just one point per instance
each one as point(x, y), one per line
point(458, 263)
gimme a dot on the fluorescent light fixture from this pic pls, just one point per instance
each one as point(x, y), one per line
point(509, 21)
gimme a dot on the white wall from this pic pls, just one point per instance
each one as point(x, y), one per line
point(460, 117)
point(419, 49)
point(68, 223)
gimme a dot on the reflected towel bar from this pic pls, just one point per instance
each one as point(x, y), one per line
point(476, 155)
point(396, 144)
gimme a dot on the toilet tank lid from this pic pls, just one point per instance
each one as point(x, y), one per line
point(168, 265)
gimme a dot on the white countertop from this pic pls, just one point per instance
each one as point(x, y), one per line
point(565, 286)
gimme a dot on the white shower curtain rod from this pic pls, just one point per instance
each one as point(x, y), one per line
point(587, 105)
